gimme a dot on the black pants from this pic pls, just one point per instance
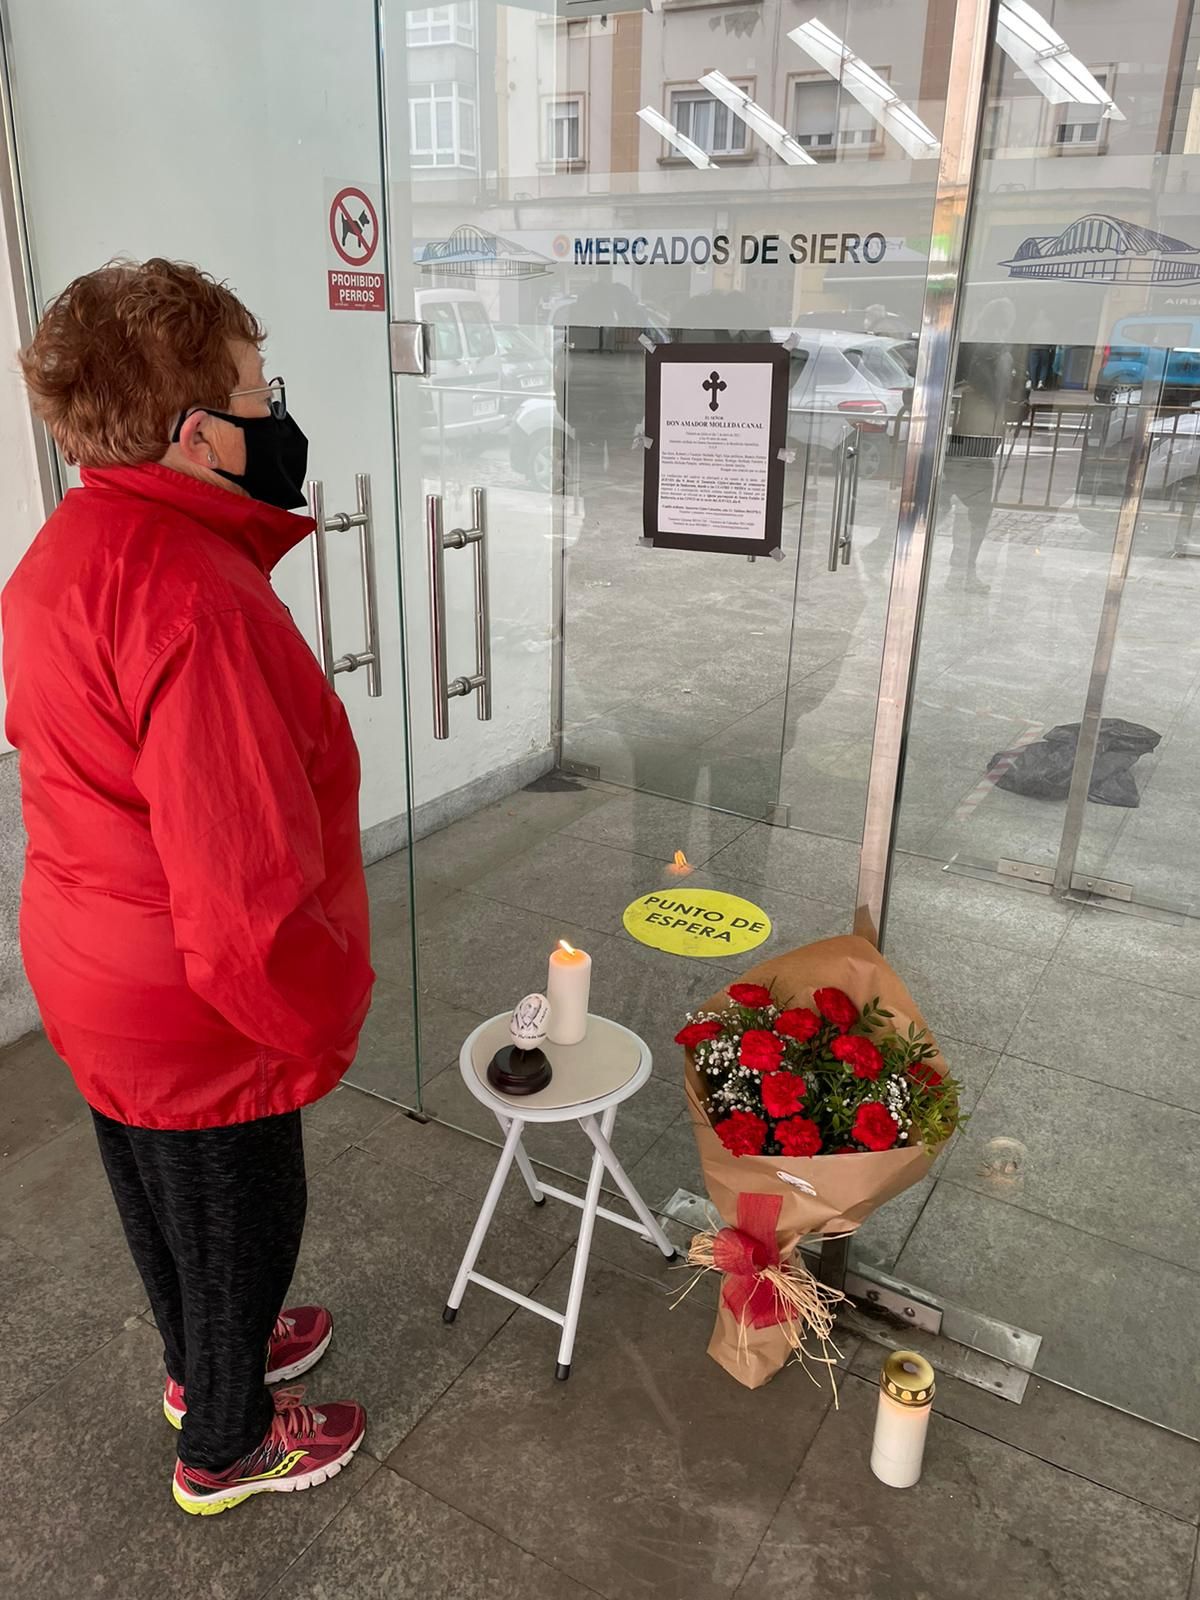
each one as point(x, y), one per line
point(969, 482)
point(213, 1219)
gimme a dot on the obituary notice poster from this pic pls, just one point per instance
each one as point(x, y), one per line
point(716, 429)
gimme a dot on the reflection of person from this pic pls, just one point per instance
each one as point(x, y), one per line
point(989, 377)
point(194, 916)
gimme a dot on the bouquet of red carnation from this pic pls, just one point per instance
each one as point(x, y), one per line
point(817, 1094)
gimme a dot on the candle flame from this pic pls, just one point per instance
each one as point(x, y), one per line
point(681, 860)
point(569, 948)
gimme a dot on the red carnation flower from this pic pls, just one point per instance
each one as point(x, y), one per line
point(697, 1033)
point(798, 1024)
point(742, 1133)
point(837, 1007)
point(761, 1051)
point(798, 1136)
point(922, 1072)
point(749, 994)
point(783, 1093)
point(858, 1053)
point(875, 1126)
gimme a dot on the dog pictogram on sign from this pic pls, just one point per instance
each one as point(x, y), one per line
point(353, 242)
point(353, 227)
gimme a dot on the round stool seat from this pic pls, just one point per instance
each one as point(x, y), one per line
point(608, 1066)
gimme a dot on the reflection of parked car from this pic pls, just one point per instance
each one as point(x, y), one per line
point(1173, 467)
point(537, 431)
point(524, 369)
point(1149, 351)
point(463, 388)
point(839, 379)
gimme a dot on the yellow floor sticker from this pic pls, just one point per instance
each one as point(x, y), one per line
point(697, 922)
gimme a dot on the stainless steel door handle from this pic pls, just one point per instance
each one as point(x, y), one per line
point(438, 541)
point(342, 522)
point(845, 501)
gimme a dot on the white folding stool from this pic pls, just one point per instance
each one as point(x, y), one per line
point(590, 1081)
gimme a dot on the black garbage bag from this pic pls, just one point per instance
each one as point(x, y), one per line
point(1043, 770)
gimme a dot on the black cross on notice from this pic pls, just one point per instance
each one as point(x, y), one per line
point(713, 386)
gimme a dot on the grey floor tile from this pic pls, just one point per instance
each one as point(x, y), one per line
point(652, 992)
point(396, 1542)
point(1129, 1168)
point(381, 1248)
point(116, 1534)
point(925, 894)
point(57, 1204)
point(882, 1237)
point(1111, 1031)
point(340, 1121)
point(1006, 1524)
point(1135, 1458)
point(808, 864)
point(482, 956)
point(652, 826)
point(51, 1320)
point(458, 856)
point(562, 1145)
point(1165, 955)
point(632, 1488)
point(386, 1062)
point(581, 882)
point(1065, 1285)
point(38, 1098)
point(967, 990)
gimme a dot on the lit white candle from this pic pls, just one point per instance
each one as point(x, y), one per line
point(906, 1390)
point(568, 987)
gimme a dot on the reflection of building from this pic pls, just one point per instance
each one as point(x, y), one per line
point(557, 153)
point(1107, 250)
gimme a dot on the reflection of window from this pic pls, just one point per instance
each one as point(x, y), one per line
point(442, 125)
point(442, 24)
point(447, 346)
point(1081, 127)
point(708, 123)
point(477, 327)
point(564, 130)
point(823, 127)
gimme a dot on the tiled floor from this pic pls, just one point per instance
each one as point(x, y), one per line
point(649, 1474)
point(1025, 995)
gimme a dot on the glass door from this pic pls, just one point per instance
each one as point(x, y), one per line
point(573, 187)
point(251, 146)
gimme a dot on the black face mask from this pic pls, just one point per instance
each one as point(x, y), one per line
point(276, 459)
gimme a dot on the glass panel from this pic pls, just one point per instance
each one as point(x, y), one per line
point(641, 699)
point(1066, 1006)
point(99, 186)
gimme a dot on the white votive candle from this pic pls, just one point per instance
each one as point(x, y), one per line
point(902, 1419)
point(568, 988)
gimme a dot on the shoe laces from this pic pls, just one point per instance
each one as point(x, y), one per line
point(294, 1420)
point(284, 1327)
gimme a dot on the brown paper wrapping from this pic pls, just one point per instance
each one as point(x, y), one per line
point(848, 1187)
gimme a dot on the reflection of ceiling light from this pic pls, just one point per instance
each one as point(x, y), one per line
point(1042, 55)
point(755, 118)
point(685, 146)
point(868, 88)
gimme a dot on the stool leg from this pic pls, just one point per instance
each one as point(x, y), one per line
point(600, 1137)
point(525, 1167)
point(512, 1143)
point(583, 1249)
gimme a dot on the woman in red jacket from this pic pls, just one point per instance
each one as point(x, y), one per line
point(194, 916)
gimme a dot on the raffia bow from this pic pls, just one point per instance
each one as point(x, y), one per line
point(762, 1290)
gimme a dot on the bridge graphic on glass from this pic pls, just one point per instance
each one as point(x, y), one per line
point(1102, 249)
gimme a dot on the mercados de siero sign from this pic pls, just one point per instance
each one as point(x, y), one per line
point(718, 249)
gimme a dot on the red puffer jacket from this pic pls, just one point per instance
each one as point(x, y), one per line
point(194, 916)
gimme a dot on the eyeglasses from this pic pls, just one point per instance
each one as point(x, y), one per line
point(275, 388)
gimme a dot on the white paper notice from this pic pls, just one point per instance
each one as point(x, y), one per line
point(714, 435)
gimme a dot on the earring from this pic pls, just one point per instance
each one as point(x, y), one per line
point(212, 460)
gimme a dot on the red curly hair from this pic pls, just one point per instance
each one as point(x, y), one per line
point(124, 350)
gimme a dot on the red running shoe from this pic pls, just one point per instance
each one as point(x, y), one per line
point(304, 1446)
point(298, 1341)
